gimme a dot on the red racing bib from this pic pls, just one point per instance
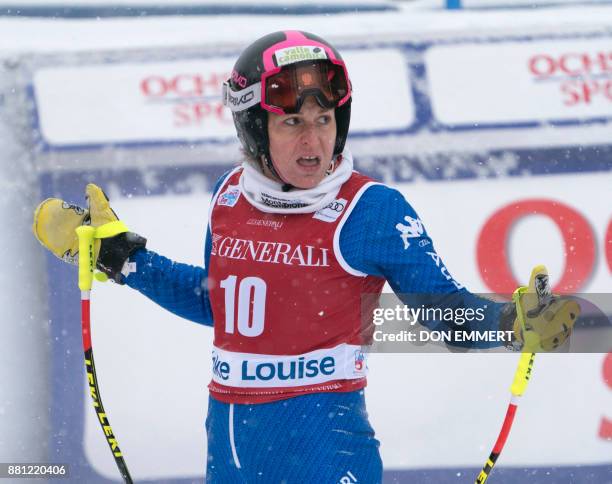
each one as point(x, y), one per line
point(286, 305)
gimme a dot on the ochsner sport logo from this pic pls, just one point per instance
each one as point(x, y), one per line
point(320, 366)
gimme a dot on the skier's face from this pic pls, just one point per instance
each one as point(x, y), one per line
point(302, 144)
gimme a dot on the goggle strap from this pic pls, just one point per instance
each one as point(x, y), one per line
point(240, 100)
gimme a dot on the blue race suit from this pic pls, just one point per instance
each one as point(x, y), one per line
point(317, 437)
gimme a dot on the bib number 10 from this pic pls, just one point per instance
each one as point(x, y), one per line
point(251, 305)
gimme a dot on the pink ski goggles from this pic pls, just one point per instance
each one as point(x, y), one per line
point(284, 89)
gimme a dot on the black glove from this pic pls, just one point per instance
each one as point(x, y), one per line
point(114, 251)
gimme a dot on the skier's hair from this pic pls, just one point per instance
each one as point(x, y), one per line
point(249, 158)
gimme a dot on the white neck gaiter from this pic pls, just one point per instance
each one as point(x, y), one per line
point(268, 196)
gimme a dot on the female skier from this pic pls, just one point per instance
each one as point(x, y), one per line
point(295, 238)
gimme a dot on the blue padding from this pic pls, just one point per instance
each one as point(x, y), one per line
point(83, 12)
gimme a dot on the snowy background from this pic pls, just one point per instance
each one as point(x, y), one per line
point(466, 112)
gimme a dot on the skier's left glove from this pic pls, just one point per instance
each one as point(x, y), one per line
point(540, 320)
point(55, 222)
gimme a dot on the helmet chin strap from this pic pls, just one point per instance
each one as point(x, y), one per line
point(270, 165)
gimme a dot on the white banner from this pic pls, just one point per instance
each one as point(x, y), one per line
point(181, 100)
point(515, 82)
point(101, 104)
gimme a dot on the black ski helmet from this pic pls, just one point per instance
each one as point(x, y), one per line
point(243, 94)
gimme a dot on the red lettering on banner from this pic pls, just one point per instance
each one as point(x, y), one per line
point(153, 86)
point(492, 254)
point(183, 115)
point(586, 91)
point(572, 68)
point(196, 97)
point(182, 85)
point(584, 78)
point(572, 94)
point(605, 429)
point(570, 64)
point(197, 113)
point(542, 65)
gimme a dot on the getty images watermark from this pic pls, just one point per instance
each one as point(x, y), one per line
point(410, 316)
point(422, 323)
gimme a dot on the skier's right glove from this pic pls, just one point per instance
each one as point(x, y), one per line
point(54, 226)
point(541, 320)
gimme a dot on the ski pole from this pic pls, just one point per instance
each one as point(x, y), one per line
point(519, 385)
point(86, 235)
point(521, 378)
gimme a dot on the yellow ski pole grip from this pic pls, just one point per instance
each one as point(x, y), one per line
point(86, 234)
point(523, 374)
point(531, 341)
point(110, 229)
point(516, 298)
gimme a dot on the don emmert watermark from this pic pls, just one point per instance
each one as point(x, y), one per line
point(464, 322)
point(411, 317)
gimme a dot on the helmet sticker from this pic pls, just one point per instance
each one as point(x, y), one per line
point(239, 79)
point(291, 55)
